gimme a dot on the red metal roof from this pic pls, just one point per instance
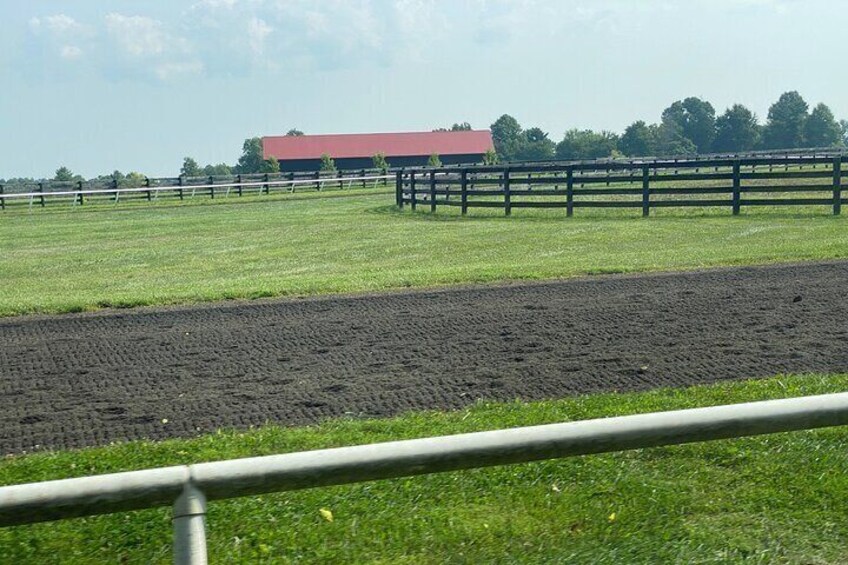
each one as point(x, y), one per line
point(342, 146)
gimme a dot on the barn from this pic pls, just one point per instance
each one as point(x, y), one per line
point(355, 151)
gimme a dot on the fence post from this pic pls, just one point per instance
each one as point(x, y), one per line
point(147, 185)
point(399, 189)
point(2, 200)
point(646, 191)
point(265, 186)
point(180, 184)
point(189, 519)
point(412, 194)
point(79, 189)
point(837, 185)
point(506, 191)
point(432, 191)
point(41, 190)
point(212, 187)
point(737, 184)
point(463, 194)
point(569, 191)
point(238, 180)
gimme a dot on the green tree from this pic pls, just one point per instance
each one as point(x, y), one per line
point(327, 164)
point(821, 129)
point(63, 174)
point(843, 125)
point(219, 170)
point(638, 140)
point(586, 144)
point(534, 145)
point(270, 165)
point(785, 126)
point(464, 126)
point(190, 168)
point(670, 139)
point(506, 134)
point(133, 179)
point(251, 159)
point(434, 160)
point(736, 130)
point(490, 157)
point(294, 133)
point(380, 163)
point(695, 120)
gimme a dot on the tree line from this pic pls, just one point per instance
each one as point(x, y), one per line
point(686, 127)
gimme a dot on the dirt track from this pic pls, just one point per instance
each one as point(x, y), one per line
point(81, 380)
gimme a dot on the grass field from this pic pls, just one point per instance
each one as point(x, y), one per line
point(771, 499)
point(64, 259)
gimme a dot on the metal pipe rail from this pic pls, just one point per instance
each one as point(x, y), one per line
point(322, 180)
point(192, 485)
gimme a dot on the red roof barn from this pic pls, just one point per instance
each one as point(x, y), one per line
point(355, 151)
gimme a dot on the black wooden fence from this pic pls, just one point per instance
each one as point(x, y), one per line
point(790, 180)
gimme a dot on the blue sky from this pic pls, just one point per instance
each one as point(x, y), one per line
point(105, 85)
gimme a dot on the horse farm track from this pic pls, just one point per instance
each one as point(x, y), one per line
point(89, 379)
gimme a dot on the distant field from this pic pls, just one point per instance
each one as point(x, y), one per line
point(771, 499)
point(63, 259)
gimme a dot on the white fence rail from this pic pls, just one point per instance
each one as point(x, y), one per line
point(319, 183)
point(192, 485)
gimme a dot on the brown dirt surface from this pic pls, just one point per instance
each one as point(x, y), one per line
point(80, 380)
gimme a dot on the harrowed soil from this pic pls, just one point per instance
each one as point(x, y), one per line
point(89, 379)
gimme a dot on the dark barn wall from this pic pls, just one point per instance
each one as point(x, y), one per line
point(366, 162)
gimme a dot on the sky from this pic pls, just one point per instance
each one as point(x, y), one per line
point(136, 86)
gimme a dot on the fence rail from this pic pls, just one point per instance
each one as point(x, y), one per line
point(191, 486)
point(79, 192)
point(790, 180)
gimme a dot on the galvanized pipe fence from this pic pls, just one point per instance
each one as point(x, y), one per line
point(188, 487)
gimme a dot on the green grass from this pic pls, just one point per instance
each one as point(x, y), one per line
point(64, 259)
point(770, 499)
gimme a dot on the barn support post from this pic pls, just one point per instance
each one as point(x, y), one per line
point(399, 189)
point(837, 185)
point(463, 194)
point(506, 193)
point(432, 191)
point(737, 187)
point(569, 191)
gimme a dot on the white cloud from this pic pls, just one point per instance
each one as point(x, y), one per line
point(257, 31)
point(167, 71)
point(137, 35)
point(70, 52)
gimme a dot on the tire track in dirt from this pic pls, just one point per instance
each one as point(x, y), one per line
point(89, 379)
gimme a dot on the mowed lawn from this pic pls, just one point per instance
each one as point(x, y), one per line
point(768, 499)
point(63, 259)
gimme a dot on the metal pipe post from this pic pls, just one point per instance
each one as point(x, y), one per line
point(190, 527)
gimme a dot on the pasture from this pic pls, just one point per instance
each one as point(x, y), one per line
point(772, 499)
point(769, 499)
point(75, 259)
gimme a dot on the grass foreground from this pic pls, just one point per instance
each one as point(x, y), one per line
point(767, 499)
point(68, 259)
